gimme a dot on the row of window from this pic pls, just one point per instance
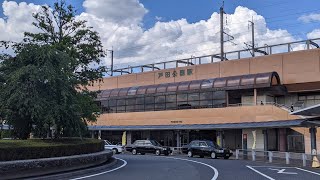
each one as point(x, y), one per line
point(164, 102)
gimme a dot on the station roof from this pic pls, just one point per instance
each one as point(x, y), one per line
point(245, 125)
point(309, 111)
point(249, 81)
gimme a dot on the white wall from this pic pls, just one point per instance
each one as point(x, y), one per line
point(260, 139)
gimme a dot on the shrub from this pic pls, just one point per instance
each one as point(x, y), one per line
point(36, 148)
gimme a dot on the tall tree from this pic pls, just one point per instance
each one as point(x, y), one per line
point(45, 82)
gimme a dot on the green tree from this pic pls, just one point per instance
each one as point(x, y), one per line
point(44, 84)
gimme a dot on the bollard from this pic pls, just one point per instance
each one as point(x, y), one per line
point(287, 158)
point(253, 155)
point(237, 153)
point(304, 160)
point(270, 154)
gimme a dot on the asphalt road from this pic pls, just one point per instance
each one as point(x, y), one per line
point(150, 167)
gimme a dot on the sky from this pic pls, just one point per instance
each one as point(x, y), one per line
point(148, 31)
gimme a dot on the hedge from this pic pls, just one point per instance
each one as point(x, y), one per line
point(37, 148)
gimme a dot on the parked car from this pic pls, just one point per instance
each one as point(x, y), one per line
point(117, 149)
point(148, 146)
point(207, 148)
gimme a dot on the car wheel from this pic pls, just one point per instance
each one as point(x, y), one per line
point(158, 152)
point(202, 156)
point(226, 157)
point(213, 155)
point(115, 151)
point(190, 154)
point(134, 151)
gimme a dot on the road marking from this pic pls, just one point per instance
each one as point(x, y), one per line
point(216, 174)
point(260, 173)
point(281, 171)
point(308, 171)
point(123, 165)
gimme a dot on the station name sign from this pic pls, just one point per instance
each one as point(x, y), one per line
point(174, 73)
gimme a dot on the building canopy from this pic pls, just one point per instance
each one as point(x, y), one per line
point(261, 80)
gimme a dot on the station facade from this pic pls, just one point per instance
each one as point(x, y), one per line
point(240, 104)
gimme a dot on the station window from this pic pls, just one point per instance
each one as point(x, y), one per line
point(219, 95)
point(140, 100)
point(206, 95)
point(160, 99)
point(171, 106)
point(149, 107)
point(130, 101)
point(182, 97)
point(121, 102)
point(193, 97)
point(149, 100)
point(130, 108)
point(171, 98)
point(209, 99)
point(139, 108)
point(160, 106)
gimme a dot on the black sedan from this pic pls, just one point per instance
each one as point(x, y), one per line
point(207, 148)
point(148, 146)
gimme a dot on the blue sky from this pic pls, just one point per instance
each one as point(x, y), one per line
point(139, 37)
point(278, 13)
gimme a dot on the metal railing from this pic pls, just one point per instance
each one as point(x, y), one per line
point(259, 104)
point(289, 158)
point(238, 54)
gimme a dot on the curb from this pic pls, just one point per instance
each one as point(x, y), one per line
point(45, 166)
point(78, 172)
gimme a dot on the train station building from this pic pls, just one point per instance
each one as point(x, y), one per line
point(243, 103)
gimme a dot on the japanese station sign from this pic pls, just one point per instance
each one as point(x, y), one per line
point(175, 73)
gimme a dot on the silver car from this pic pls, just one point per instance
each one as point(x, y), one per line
point(116, 149)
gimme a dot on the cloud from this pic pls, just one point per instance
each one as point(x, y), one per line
point(314, 34)
point(117, 11)
point(309, 18)
point(120, 26)
point(158, 18)
point(18, 19)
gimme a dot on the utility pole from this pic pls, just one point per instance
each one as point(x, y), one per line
point(111, 68)
point(252, 31)
point(221, 32)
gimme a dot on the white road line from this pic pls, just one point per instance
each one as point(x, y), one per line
point(275, 167)
point(123, 165)
point(308, 171)
point(216, 174)
point(260, 173)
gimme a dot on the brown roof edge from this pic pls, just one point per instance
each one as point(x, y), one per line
point(303, 87)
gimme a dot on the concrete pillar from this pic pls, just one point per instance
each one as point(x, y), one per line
point(227, 99)
point(313, 135)
point(220, 138)
point(178, 139)
point(265, 139)
point(255, 97)
point(282, 139)
point(99, 134)
point(92, 134)
point(129, 137)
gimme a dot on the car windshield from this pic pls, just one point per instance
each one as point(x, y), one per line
point(155, 143)
point(212, 144)
point(107, 142)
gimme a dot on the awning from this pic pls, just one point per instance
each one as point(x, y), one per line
point(309, 111)
point(245, 125)
point(249, 81)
